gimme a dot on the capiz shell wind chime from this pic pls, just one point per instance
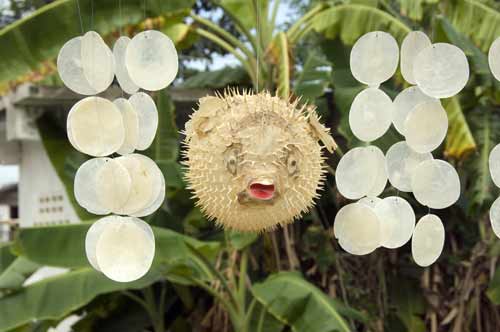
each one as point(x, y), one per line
point(130, 186)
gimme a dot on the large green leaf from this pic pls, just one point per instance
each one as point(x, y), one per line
point(351, 21)
point(281, 57)
point(217, 79)
point(459, 139)
point(56, 297)
point(314, 78)
point(6, 256)
point(64, 246)
point(486, 126)
point(410, 305)
point(37, 38)
point(299, 304)
point(14, 276)
point(476, 20)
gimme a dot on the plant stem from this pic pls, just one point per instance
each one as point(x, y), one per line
point(230, 38)
point(225, 45)
point(297, 27)
point(241, 27)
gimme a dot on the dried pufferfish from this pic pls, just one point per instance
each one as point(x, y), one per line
point(253, 160)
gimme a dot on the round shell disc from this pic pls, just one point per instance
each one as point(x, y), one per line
point(85, 186)
point(374, 58)
point(381, 176)
point(405, 102)
point(144, 182)
point(69, 67)
point(435, 184)
point(156, 204)
point(441, 70)
point(151, 60)
point(428, 240)
point(494, 58)
point(401, 161)
point(96, 126)
point(370, 201)
point(147, 112)
point(426, 127)
point(355, 174)
point(358, 229)
point(158, 187)
point(397, 221)
point(119, 50)
point(413, 43)
point(131, 124)
point(113, 185)
point(98, 62)
point(92, 237)
point(495, 217)
point(494, 165)
point(125, 250)
point(371, 114)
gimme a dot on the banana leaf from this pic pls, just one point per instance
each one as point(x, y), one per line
point(299, 304)
point(29, 44)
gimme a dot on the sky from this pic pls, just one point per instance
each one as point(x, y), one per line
point(10, 174)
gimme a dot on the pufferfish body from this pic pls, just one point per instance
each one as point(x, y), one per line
point(253, 160)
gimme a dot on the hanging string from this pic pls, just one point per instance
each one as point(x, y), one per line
point(121, 34)
point(258, 45)
point(91, 14)
point(144, 8)
point(79, 16)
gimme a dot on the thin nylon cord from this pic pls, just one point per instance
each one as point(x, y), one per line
point(121, 33)
point(79, 15)
point(91, 14)
point(258, 45)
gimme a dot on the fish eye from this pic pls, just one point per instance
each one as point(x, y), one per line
point(292, 163)
point(231, 159)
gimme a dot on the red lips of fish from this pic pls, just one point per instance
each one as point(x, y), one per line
point(261, 191)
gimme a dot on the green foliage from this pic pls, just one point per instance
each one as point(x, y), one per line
point(299, 304)
point(16, 273)
point(217, 79)
point(33, 40)
point(314, 78)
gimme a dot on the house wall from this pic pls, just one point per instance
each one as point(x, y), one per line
point(42, 196)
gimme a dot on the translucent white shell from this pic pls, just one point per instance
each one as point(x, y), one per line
point(97, 61)
point(119, 51)
point(151, 60)
point(397, 221)
point(413, 43)
point(428, 240)
point(113, 184)
point(494, 165)
point(426, 127)
point(358, 229)
point(69, 67)
point(370, 201)
point(92, 237)
point(131, 124)
point(435, 183)
point(143, 177)
point(157, 189)
point(401, 161)
point(381, 176)
point(147, 112)
point(96, 127)
point(355, 174)
point(441, 70)
point(85, 186)
point(371, 114)
point(494, 58)
point(495, 217)
point(125, 250)
point(405, 102)
point(374, 58)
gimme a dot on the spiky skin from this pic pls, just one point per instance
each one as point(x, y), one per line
point(238, 139)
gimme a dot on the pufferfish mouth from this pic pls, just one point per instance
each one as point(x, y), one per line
point(262, 190)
